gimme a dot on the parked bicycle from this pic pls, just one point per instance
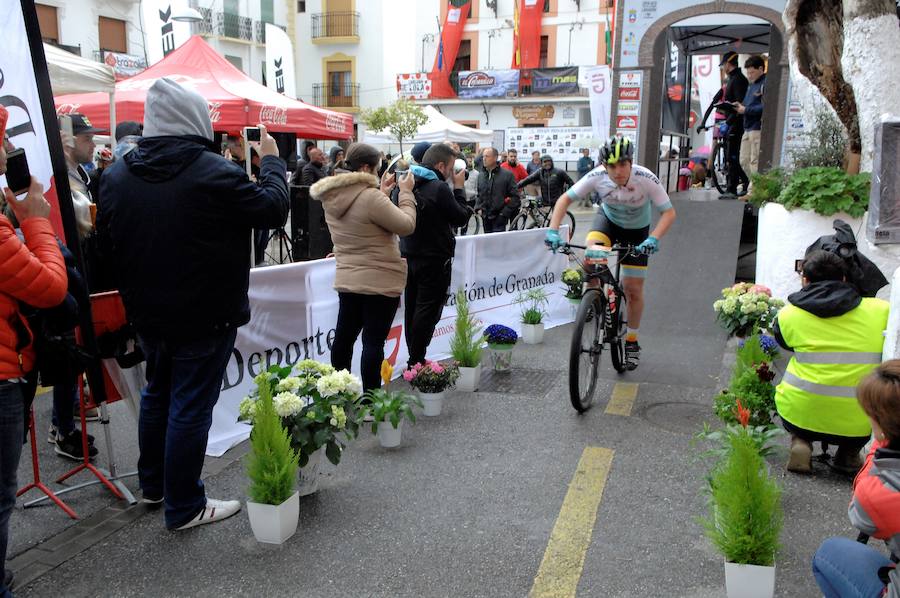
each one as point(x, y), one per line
point(717, 169)
point(475, 226)
point(600, 321)
point(534, 213)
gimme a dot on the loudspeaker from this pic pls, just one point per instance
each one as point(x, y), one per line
point(300, 222)
point(320, 243)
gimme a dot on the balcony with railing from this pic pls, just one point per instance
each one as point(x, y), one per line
point(335, 27)
point(259, 28)
point(223, 24)
point(341, 96)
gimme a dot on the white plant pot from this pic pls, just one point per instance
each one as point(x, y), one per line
point(388, 436)
point(309, 475)
point(273, 524)
point(749, 581)
point(469, 379)
point(501, 357)
point(432, 402)
point(533, 334)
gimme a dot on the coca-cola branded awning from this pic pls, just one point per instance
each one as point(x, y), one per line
point(235, 100)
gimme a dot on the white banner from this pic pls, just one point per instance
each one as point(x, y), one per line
point(280, 73)
point(414, 86)
point(600, 93)
point(294, 314)
point(161, 32)
point(707, 81)
point(564, 144)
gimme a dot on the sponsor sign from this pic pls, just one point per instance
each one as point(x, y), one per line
point(533, 112)
point(294, 314)
point(629, 108)
point(555, 82)
point(124, 65)
point(162, 33)
point(488, 84)
point(280, 73)
point(626, 122)
point(599, 79)
point(630, 93)
point(414, 86)
point(273, 115)
point(629, 134)
point(562, 143)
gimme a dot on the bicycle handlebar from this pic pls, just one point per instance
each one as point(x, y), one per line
point(624, 249)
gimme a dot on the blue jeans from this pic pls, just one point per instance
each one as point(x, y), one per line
point(12, 422)
point(183, 383)
point(65, 404)
point(845, 568)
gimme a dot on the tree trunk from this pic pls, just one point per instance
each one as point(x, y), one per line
point(870, 62)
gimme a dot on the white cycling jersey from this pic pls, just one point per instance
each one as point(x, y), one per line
point(627, 206)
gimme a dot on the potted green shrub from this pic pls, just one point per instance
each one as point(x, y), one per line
point(272, 463)
point(501, 342)
point(466, 345)
point(388, 410)
point(432, 379)
point(533, 302)
point(745, 516)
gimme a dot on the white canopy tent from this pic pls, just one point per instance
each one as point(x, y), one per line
point(438, 128)
point(73, 74)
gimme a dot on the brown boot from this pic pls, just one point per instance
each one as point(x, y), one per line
point(846, 461)
point(800, 459)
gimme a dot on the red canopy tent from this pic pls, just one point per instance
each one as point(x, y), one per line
point(235, 100)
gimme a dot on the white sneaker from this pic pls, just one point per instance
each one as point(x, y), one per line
point(215, 510)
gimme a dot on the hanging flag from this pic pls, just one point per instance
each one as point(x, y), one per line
point(607, 39)
point(611, 44)
point(448, 47)
point(517, 57)
point(527, 34)
point(280, 73)
point(162, 33)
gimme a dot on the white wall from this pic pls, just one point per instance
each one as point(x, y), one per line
point(79, 23)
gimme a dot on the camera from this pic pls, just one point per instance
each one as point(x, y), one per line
point(252, 134)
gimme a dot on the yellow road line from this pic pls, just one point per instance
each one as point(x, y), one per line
point(622, 399)
point(563, 560)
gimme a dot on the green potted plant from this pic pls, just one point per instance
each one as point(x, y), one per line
point(534, 302)
point(501, 342)
point(432, 379)
point(272, 463)
point(745, 516)
point(318, 406)
point(573, 279)
point(466, 345)
point(388, 410)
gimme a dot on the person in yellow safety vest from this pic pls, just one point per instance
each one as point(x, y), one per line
point(837, 338)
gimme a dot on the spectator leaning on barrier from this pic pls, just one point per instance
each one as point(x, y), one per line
point(844, 567)
point(498, 199)
point(837, 338)
point(430, 248)
point(32, 272)
point(752, 109)
point(179, 216)
point(369, 274)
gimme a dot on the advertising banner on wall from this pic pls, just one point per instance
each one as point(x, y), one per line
point(414, 86)
point(161, 32)
point(488, 84)
point(294, 314)
point(280, 73)
point(628, 103)
point(124, 65)
point(564, 144)
point(674, 111)
point(599, 80)
point(555, 82)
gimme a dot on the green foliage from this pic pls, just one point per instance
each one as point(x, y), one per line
point(533, 302)
point(402, 118)
point(573, 278)
point(466, 344)
point(765, 438)
point(824, 144)
point(827, 191)
point(388, 406)
point(767, 186)
point(745, 508)
point(751, 384)
point(272, 463)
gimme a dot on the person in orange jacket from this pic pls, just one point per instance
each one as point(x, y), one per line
point(32, 272)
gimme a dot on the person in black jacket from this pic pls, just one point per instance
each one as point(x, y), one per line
point(735, 90)
point(314, 170)
point(498, 199)
point(552, 181)
point(179, 217)
point(429, 250)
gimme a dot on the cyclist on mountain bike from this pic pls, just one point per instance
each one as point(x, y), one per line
point(626, 191)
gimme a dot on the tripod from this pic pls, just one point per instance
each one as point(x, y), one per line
point(285, 247)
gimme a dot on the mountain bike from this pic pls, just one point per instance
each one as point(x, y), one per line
point(473, 227)
point(600, 321)
point(534, 213)
point(718, 163)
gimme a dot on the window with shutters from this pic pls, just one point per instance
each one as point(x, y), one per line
point(49, 23)
point(545, 46)
point(112, 35)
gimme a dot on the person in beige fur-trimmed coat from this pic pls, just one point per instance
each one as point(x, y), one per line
point(370, 274)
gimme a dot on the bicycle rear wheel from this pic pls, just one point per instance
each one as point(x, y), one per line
point(719, 170)
point(585, 350)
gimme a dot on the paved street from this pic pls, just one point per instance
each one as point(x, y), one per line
point(467, 505)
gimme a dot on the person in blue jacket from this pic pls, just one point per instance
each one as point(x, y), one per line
point(752, 109)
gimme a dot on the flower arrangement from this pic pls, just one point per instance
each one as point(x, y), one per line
point(390, 406)
point(746, 308)
point(432, 376)
point(317, 405)
point(751, 383)
point(533, 302)
point(573, 278)
point(465, 346)
point(500, 336)
point(272, 462)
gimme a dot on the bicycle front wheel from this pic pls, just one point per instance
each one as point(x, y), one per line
point(585, 350)
point(518, 222)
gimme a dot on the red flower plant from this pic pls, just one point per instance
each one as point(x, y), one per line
point(743, 414)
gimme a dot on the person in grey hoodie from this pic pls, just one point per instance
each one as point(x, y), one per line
point(178, 217)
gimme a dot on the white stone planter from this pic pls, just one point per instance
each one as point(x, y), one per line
point(388, 436)
point(432, 402)
point(273, 524)
point(749, 581)
point(469, 379)
point(309, 475)
point(533, 334)
point(501, 357)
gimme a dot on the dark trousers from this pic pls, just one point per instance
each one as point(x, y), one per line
point(427, 285)
point(12, 417)
point(846, 442)
point(260, 243)
point(65, 404)
point(736, 175)
point(372, 315)
point(495, 224)
point(183, 384)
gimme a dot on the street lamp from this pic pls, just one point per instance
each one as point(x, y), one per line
point(491, 35)
point(428, 37)
point(187, 15)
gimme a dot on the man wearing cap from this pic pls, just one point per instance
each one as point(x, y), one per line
point(735, 89)
point(79, 149)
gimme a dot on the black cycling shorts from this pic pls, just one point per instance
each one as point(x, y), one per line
point(605, 232)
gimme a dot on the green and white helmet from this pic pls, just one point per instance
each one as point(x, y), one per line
point(617, 149)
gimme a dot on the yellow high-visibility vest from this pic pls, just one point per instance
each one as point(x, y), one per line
point(831, 356)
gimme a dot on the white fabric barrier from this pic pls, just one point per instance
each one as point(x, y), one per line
point(294, 313)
